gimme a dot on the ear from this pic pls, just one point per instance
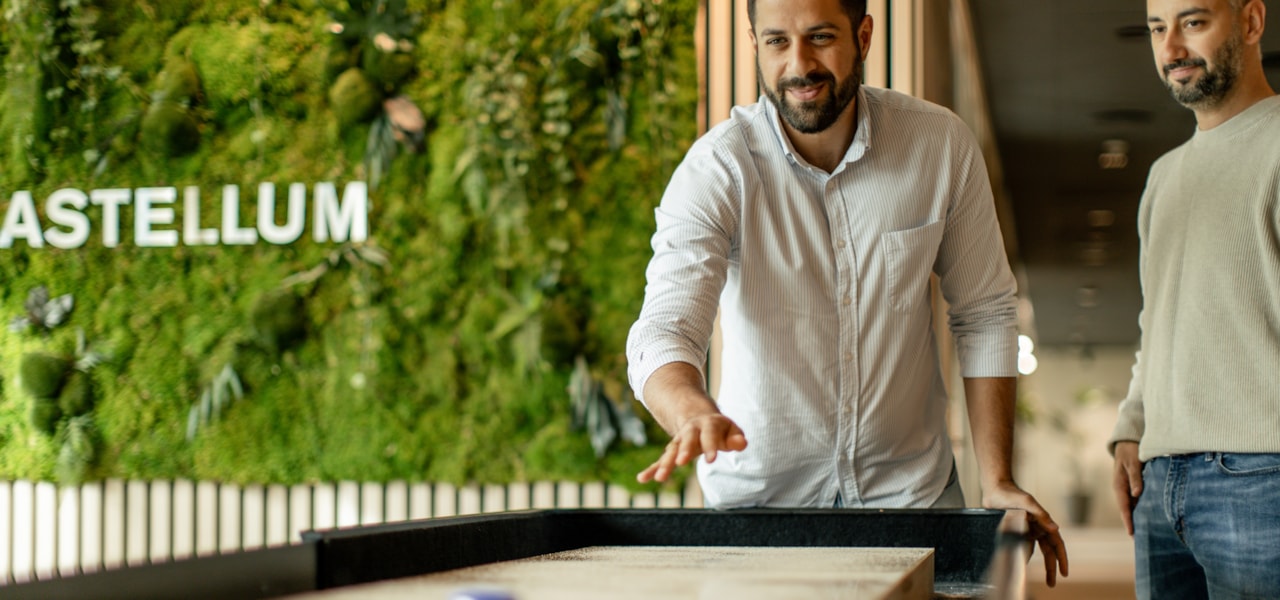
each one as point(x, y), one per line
point(755, 48)
point(864, 35)
point(1255, 21)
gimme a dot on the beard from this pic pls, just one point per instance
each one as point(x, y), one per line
point(1215, 83)
point(815, 115)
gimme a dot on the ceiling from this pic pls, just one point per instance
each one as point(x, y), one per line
point(1062, 77)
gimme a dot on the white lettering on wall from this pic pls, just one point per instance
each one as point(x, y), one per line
point(350, 221)
point(295, 215)
point(59, 208)
point(153, 211)
point(21, 221)
point(111, 201)
point(146, 214)
point(192, 234)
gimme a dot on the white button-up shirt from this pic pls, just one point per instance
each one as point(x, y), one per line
point(822, 282)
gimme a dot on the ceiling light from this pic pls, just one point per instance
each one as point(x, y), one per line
point(1115, 154)
point(1087, 296)
point(1102, 218)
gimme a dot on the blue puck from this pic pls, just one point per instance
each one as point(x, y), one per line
point(482, 594)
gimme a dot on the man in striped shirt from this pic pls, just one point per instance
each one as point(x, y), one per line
point(813, 220)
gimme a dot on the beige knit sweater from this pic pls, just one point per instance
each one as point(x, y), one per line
point(1207, 377)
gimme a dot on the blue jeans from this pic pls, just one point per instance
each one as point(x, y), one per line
point(1208, 526)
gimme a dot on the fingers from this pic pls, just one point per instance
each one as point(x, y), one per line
point(1124, 501)
point(1126, 481)
point(1043, 530)
point(1050, 569)
point(1052, 546)
point(707, 437)
point(661, 469)
point(1135, 478)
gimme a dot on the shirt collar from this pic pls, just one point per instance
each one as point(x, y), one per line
point(861, 137)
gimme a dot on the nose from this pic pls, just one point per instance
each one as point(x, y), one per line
point(1170, 48)
point(802, 59)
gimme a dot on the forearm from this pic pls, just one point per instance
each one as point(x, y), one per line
point(675, 393)
point(990, 402)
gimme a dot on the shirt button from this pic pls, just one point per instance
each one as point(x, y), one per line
point(848, 356)
point(842, 243)
point(847, 301)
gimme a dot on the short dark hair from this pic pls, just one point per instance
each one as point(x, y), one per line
point(856, 9)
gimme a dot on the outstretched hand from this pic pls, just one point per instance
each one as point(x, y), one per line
point(706, 435)
point(1043, 530)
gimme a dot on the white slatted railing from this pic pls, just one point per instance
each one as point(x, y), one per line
point(48, 531)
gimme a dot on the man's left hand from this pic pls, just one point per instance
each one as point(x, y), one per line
point(1043, 530)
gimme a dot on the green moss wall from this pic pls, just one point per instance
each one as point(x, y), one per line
point(506, 239)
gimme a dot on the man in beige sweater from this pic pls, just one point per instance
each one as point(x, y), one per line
point(1197, 444)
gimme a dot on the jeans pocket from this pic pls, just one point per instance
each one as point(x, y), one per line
point(1247, 465)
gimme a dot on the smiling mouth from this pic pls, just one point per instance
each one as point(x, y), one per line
point(807, 93)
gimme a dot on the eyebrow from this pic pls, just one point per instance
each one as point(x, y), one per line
point(818, 27)
point(1185, 13)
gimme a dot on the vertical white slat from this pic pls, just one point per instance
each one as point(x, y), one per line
point(6, 531)
point(184, 519)
point(668, 499)
point(518, 496)
point(253, 517)
point(744, 64)
point(348, 503)
point(544, 494)
point(68, 562)
point(371, 496)
point(644, 500)
point(903, 69)
point(113, 524)
point(493, 498)
point(617, 497)
point(593, 495)
point(206, 518)
point(469, 499)
point(161, 521)
point(446, 500)
point(299, 512)
point(720, 48)
point(277, 515)
point(92, 497)
point(324, 514)
point(420, 501)
point(229, 518)
point(877, 60)
point(692, 494)
point(46, 532)
point(24, 535)
point(397, 501)
point(567, 495)
point(136, 523)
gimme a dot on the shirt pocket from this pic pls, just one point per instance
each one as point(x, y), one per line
point(909, 257)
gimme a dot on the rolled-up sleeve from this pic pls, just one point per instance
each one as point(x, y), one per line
point(974, 274)
point(692, 244)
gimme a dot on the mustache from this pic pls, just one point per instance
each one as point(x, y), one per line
point(1186, 62)
point(806, 81)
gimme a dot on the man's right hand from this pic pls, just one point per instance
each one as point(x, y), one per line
point(1126, 481)
point(705, 434)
